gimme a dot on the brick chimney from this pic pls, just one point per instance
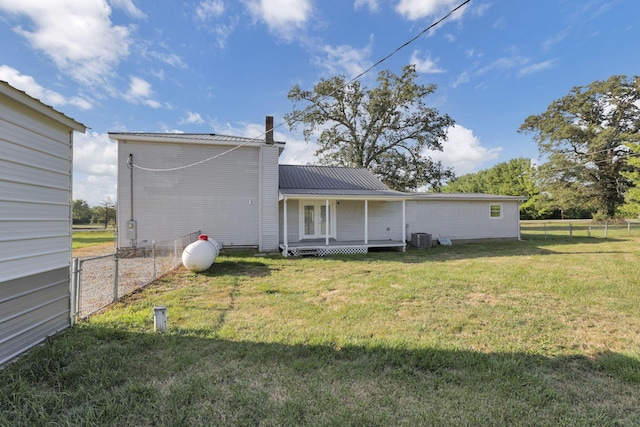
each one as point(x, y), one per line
point(269, 130)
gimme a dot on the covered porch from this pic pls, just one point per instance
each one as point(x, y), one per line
point(340, 224)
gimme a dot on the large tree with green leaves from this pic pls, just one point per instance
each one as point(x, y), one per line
point(387, 129)
point(585, 134)
point(516, 177)
point(631, 207)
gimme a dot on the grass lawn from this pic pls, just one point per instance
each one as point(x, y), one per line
point(540, 332)
point(86, 238)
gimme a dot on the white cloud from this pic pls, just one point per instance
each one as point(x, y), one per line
point(345, 59)
point(209, 9)
point(77, 35)
point(128, 7)
point(95, 160)
point(140, 93)
point(462, 79)
point(425, 65)
point(169, 58)
point(540, 66)
point(283, 17)
point(30, 86)
point(462, 151)
point(372, 5)
point(192, 118)
point(418, 9)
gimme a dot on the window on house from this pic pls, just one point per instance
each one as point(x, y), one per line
point(496, 211)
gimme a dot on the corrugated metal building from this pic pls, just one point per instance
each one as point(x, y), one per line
point(36, 146)
point(170, 185)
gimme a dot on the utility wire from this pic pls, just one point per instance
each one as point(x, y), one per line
point(259, 138)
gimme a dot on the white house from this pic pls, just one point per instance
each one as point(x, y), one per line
point(36, 143)
point(234, 190)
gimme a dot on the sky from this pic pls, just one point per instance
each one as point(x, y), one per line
point(221, 66)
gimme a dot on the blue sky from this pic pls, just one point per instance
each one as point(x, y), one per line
point(217, 66)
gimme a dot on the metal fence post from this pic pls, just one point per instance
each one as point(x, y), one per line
point(628, 228)
point(606, 228)
point(115, 277)
point(570, 230)
point(74, 290)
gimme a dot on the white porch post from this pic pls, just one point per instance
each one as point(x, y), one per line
point(404, 227)
point(366, 222)
point(326, 225)
point(286, 231)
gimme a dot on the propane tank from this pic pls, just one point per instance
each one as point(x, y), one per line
point(199, 255)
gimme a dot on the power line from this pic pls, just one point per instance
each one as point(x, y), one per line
point(259, 137)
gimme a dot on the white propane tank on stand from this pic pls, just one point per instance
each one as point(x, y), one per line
point(199, 255)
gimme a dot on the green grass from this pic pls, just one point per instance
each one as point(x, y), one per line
point(82, 239)
point(540, 332)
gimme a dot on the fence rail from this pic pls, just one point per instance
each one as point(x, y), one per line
point(579, 228)
point(100, 281)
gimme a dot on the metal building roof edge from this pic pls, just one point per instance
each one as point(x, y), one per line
point(35, 104)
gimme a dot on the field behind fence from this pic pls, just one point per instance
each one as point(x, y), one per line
point(578, 228)
point(100, 281)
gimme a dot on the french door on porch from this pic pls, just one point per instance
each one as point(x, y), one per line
point(314, 217)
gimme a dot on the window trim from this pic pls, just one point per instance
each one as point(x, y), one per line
point(500, 212)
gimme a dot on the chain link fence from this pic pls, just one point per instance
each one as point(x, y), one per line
point(548, 229)
point(100, 281)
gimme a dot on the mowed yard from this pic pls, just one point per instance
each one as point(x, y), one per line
point(540, 332)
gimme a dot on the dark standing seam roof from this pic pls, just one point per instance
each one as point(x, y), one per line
point(331, 180)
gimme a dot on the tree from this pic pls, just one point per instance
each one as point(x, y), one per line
point(516, 177)
point(81, 212)
point(586, 131)
point(631, 207)
point(104, 213)
point(386, 129)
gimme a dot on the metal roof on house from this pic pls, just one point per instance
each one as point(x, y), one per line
point(185, 137)
point(465, 196)
point(331, 181)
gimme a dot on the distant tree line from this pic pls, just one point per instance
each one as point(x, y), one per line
point(104, 213)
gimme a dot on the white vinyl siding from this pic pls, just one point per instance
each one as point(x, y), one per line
point(269, 189)
point(220, 197)
point(35, 221)
point(464, 220)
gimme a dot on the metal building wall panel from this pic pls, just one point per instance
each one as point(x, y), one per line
point(21, 229)
point(16, 172)
point(12, 210)
point(35, 221)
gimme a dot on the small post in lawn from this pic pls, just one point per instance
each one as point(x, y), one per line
point(589, 231)
point(628, 228)
point(570, 230)
point(160, 319)
point(606, 228)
